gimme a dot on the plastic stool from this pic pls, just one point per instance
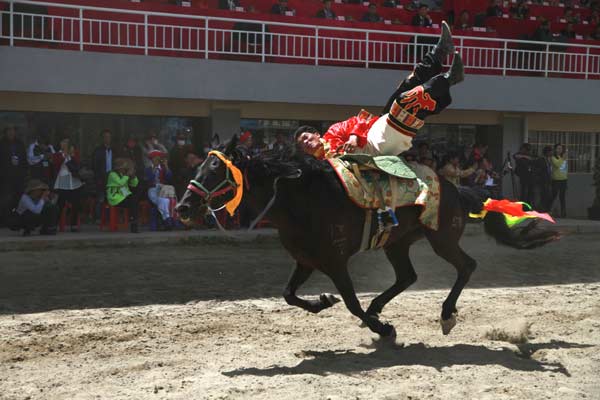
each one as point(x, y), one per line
point(113, 218)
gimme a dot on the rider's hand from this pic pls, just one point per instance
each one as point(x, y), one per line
point(351, 144)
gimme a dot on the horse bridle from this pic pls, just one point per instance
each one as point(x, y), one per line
point(225, 186)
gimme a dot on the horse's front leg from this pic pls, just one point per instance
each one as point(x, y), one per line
point(343, 283)
point(299, 276)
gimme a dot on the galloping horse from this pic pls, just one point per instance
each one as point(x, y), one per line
point(322, 228)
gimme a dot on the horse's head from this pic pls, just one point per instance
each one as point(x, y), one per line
point(217, 183)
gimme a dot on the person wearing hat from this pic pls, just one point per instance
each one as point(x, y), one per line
point(121, 190)
point(160, 192)
point(151, 143)
point(35, 209)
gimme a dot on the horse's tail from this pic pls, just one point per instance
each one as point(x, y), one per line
point(495, 225)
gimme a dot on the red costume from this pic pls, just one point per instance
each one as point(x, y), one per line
point(340, 133)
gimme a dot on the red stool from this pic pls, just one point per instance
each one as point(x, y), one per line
point(145, 209)
point(62, 222)
point(114, 222)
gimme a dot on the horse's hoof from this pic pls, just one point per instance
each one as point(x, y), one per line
point(448, 324)
point(328, 299)
point(388, 331)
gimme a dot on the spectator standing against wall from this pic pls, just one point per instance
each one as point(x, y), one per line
point(524, 170)
point(546, 179)
point(151, 143)
point(102, 164)
point(68, 185)
point(39, 157)
point(560, 170)
point(326, 12)
point(160, 191)
point(13, 169)
point(177, 162)
point(35, 210)
point(121, 190)
point(422, 18)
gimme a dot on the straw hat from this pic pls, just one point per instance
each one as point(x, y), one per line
point(35, 184)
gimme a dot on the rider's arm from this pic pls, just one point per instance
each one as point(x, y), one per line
point(339, 133)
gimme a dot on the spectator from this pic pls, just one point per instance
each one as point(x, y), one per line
point(570, 17)
point(245, 144)
point(391, 3)
point(560, 172)
point(160, 191)
point(13, 169)
point(428, 160)
point(280, 8)
point(545, 182)
point(494, 10)
point(39, 157)
point(422, 149)
point(594, 18)
point(478, 153)
point(542, 33)
point(250, 32)
point(463, 22)
point(132, 151)
point(452, 170)
point(485, 177)
point(151, 143)
point(569, 32)
point(102, 160)
point(524, 170)
point(177, 162)
point(326, 12)
point(596, 34)
point(371, 15)
point(352, 1)
point(35, 209)
point(422, 18)
point(228, 4)
point(519, 11)
point(192, 162)
point(280, 144)
point(68, 184)
point(121, 190)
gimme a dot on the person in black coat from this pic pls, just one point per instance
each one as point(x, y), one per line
point(102, 160)
point(13, 169)
point(228, 4)
point(326, 12)
point(280, 8)
point(422, 18)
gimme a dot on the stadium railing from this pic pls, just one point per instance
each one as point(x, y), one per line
point(265, 39)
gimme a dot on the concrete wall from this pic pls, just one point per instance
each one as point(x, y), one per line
point(59, 71)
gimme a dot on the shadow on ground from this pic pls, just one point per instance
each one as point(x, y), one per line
point(37, 281)
point(388, 355)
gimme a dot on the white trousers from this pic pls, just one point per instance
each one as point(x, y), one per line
point(384, 140)
point(162, 203)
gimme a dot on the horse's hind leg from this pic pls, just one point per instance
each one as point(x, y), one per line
point(450, 251)
point(298, 277)
point(398, 256)
point(343, 283)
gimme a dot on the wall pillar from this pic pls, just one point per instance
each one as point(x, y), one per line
point(513, 135)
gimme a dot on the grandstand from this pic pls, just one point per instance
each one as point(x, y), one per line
point(81, 66)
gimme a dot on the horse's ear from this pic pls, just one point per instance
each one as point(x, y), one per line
point(230, 149)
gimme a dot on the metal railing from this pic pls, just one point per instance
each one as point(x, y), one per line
point(84, 28)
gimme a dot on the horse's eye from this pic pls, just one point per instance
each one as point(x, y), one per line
point(214, 164)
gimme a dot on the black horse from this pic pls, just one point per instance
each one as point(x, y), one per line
point(322, 228)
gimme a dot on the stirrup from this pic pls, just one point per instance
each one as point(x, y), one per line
point(392, 216)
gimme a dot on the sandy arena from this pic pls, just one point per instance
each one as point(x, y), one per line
point(208, 322)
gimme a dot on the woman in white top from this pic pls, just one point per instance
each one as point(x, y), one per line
point(68, 184)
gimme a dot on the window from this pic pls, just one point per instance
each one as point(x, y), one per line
point(583, 147)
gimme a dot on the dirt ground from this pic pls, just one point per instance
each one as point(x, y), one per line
point(208, 322)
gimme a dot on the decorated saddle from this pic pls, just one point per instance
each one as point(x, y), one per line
point(389, 181)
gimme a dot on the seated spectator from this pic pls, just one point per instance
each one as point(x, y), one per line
point(280, 144)
point(452, 170)
point(495, 10)
point(594, 18)
point(121, 190)
point(228, 4)
point(160, 191)
point(280, 8)
point(391, 3)
point(542, 33)
point(519, 11)
point(35, 210)
point(463, 21)
point(570, 16)
point(326, 12)
point(568, 32)
point(39, 157)
point(371, 15)
point(246, 36)
point(422, 18)
point(352, 1)
point(68, 185)
point(596, 34)
point(151, 143)
point(485, 176)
